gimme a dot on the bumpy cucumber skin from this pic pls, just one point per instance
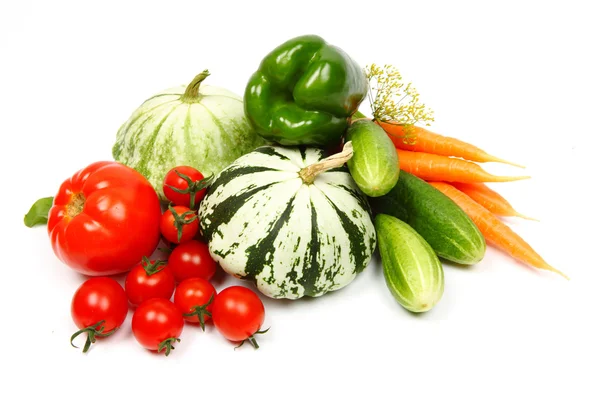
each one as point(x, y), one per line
point(413, 272)
point(374, 165)
point(444, 225)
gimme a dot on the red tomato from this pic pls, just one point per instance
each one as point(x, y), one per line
point(192, 260)
point(238, 314)
point(149, 279)
point(98, 308)
point(104, 219)
point(185, 186)
point(157, 324)
point(179, 224)
point(194, 297)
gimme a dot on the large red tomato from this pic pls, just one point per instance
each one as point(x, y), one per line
point(104, 219)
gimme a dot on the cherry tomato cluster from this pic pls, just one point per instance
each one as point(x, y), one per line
point(99, 306)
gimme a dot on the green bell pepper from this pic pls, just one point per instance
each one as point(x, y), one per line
point(304, 93)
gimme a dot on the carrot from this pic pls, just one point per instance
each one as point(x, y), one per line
point(495, 231)
point(490, 199)
point(415, 138)
point(433, 167)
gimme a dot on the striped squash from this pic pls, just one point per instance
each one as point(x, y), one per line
point(200, 126)
point(270, 218)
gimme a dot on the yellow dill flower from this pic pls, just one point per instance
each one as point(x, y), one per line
point(393, 100)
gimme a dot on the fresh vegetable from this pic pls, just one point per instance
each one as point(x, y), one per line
point(98, 308)
point(192, 260)
point(194, 297)
point(449, 231)
point(392, 99)
point(38, 213)
point(494, 230)
point(238, 314)
point(289, 219)
point(201, 126)
point(104, 219)
point(157, 324)
point(149, 279)
point(413, 273)
point(489, 199)
point(374, 165)
point(432, 167)
point(179, 224)
point(304, 92)
point(185, 186)
point(416, 138)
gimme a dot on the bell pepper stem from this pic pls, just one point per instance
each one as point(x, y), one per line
point(192, 92)
point(308, 174)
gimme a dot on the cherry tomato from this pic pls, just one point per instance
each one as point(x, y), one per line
point(179, 224)
point(149, 279)
point(98, 308)
point(104, 219)
point(194, 297)
point(192, 260)
point(157, 324)
point(185, 186)
point(238, 314)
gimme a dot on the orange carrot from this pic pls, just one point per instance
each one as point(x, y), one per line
point(490, 199)
point(433, 167)
point(415, 138)
point(494, 230)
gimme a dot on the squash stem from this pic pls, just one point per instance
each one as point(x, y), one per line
point(308, 174)
point(192, 92)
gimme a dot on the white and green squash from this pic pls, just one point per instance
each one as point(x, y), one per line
point(201, 126)
point(289, 219)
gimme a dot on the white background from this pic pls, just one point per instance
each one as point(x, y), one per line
point(519, 79)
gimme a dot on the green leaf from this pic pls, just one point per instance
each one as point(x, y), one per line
point(38, 213)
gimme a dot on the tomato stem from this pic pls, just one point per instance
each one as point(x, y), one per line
point(201, 312)
point(153, 268)
point(167, 345)
point(252, 340)
point(180, 220)
point(193, 187)
point(75, 205)
point(93, 331)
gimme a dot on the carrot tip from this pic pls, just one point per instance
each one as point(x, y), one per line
point(526, 217)
point(500, 160)
point(548, 267)
point(561, 273)
point(511, 178)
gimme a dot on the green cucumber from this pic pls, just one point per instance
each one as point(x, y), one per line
point(374, 165)
point(443, 224)
point(413, 272)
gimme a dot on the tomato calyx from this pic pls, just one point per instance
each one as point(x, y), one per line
point(201, 312)
point(153, 268)
point(93, 331)
point(252, 340)
point(167, 345)
point(193, 187)
point(180, 220)
point(75, 205)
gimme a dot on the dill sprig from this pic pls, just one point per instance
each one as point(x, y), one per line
point(393, 100)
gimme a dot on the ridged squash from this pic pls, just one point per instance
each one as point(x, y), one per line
point(201, 126)
point(289, 219)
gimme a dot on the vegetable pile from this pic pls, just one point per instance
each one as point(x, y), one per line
point(289, 187)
